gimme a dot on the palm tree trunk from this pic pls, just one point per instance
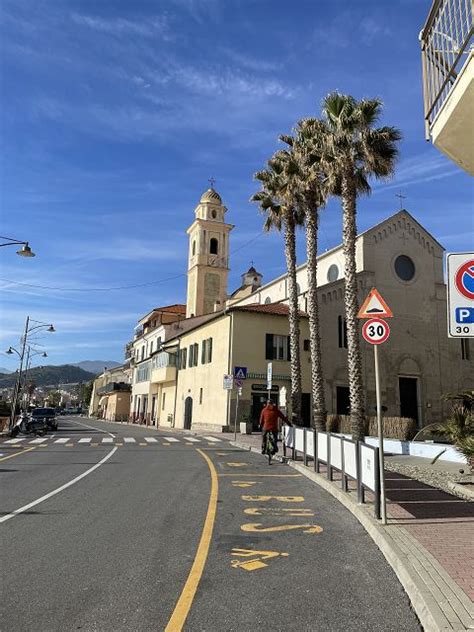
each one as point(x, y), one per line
point(354, 359)
point(294, 321)
point(317, 380)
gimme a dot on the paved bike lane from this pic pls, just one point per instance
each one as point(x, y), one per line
point(286, 555)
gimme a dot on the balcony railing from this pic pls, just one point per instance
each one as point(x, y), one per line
point(446, 42)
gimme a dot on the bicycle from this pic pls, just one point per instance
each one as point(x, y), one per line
point(269, 447)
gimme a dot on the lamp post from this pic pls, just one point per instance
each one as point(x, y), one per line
point(21, 354)
point(29, 356)
point(25, 250)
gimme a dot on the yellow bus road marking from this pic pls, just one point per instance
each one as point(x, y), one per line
point(243, 483)
point(143, 444)
point(278, 511)
point(264, 475)
point(165, 443)
point(282, 499)
point(240, 464)
point(94, 445)
point(257, 561)
point(256, 527)
point(42, 445)
point(69, 445)
point(183, 606)
point(119, 444)
point(223, 453)
point(11, 456)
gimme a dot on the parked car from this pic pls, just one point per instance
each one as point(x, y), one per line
point(46, 414)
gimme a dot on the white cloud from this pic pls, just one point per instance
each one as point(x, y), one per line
point(157, 25)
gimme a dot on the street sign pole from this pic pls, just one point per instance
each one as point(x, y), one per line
point(236, 414)
point(269, 379)
point(380, 433)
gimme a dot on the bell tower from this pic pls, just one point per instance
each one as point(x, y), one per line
point(208, 259)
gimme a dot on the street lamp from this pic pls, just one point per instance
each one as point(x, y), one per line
point(21, 354)
point(25, 250)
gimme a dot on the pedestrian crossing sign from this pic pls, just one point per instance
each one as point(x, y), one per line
point(374, 306)
point(240, 372)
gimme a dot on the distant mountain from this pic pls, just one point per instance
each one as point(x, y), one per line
point(4, 370)
point(51, 376)
point(96, 366)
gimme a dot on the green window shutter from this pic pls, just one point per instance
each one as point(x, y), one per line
point(209, 348)
point(203, 352)
point(268, 346)
point(288, 349)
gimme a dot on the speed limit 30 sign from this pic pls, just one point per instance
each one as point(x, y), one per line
point(375, 331)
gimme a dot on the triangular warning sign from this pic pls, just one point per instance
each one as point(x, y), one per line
point(240, 375)
point(374, 305)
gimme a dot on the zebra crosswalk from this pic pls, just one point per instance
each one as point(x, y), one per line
point(120, 441)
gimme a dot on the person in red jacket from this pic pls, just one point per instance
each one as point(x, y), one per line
point(269, 424)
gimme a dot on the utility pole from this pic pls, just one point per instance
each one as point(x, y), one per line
point(17, 389)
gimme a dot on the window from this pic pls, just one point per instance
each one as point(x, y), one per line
point(268, 300)
point(404, 268)
point(142, 373)
point(163, 401)
point(143, 352)
point(204, 352)
point(213, 246)
point(277, 347)
point(465, 351)
point(342, 332)
point(333, 273)
point(158, 344)
point(151, 347)
point(213, 214)
point(306, 346)
point(200, 395)
point(183, 358)
point(193, 354)
point(209, 349)
point(194, 248)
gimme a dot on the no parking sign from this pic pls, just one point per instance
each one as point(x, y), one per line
point(460, 271)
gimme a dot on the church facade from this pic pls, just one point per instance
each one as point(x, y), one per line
point(249, 327)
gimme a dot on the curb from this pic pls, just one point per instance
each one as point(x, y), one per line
point(425, 605)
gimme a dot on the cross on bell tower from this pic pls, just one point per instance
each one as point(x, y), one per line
point(208, 259)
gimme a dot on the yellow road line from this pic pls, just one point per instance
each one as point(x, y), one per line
point(234, 474)
point(184, 603)
point(10, 456)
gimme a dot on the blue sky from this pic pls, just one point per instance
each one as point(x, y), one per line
point(115, 114)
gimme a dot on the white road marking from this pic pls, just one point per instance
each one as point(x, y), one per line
point(63, 440)
point(192, 439)
point(151, 440)
point(129, 440)
point(13, 441)
point(85, 440)
point(171, 439)
point(39, 440)
point(212, 439)
point(93, 428)
point(59, 489)
point(107, 440)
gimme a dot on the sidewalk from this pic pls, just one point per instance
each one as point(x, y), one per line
point(429, 542)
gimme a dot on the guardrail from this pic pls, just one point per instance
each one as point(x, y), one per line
point(354, 460)
point(446, 42)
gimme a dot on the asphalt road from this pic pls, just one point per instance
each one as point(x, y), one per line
point(168, 534)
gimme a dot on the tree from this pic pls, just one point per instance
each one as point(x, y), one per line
point(305, 152)
point(354, 151)
point(53, 398)
point(276, 201)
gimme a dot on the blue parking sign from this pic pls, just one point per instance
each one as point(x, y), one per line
point(465, 315)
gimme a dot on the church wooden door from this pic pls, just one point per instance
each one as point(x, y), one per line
point(188, 413)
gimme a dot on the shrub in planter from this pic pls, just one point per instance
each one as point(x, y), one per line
point(459, 429)
point(401, 428)
point(333, 423)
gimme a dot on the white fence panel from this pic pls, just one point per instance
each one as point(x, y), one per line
point(322, 446)
point(350, 458)
point(336, 452)
point(299, 439)
point(310, 443)
point(368, 466)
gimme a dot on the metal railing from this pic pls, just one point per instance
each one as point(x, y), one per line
point(446, 43)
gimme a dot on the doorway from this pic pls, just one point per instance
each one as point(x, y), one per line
point(153, 410)
point(188, 413)
point(408, 387)
point(343, 404)
point(306, 409)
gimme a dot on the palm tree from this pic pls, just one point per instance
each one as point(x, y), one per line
point(277, 203)
point(354, 151)
point(304, 148)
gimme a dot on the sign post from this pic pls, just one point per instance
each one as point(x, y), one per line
point(269, 379)
point(376, 331)
point(460, 272)
point(240, 374)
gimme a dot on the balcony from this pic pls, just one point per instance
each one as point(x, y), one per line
point(114, 387)
point(163, 367)
point(448, 79)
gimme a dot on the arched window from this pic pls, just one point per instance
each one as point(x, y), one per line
point(268, 300)
point(194, 247)
point(213, 246)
